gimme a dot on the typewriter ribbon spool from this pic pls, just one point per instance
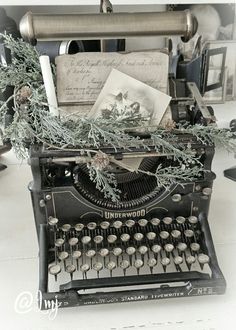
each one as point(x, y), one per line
point(35, 27)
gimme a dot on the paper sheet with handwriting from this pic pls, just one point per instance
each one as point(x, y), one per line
point(81, 77)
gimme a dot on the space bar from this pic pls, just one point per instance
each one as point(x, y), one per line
point(133, 280)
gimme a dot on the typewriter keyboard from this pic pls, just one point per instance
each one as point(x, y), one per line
point(133, 247)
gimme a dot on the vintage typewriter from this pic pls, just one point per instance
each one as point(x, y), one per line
point(153, 244)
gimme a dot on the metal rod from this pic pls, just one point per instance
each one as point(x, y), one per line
point(35, 27)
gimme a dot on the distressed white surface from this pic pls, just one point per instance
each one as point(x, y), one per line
point(19, 263)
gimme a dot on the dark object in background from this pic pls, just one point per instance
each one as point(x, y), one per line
point(230, 173)
point(8, 26)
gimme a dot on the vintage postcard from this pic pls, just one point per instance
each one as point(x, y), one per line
point(124, 96)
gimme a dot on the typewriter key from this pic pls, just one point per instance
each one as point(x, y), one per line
point(155, 221)
point(104, 224)
point(151, 263)
point(73, 241)
point(117, 251)
point(111, 265)
point(59, 242)
point(164, 234)
point(156, 249)
point(190, 260)
point(165, 262)
point(130, 223)
point(175, 233)
point(143, 249)
point(117, 224)
point(167, 220)
point(84, 268)
point(180, 220)
point(76, 255)
point(52, 221)
point(91, 225)
point(188, 233)
point(130, 251)
point(97, 267)
point(90, 253)
point(66, 227)
point(138, 263)
point(182, 247)
point(192, 219)
point(151, 236)
point(79, 227)
point(63, 256)
point(125, 237)
point(111, 238)
point(86, 239)
point(169, 248)
point(178, 261)
point(142, 222)
point(195, 247)
point(124, 264)
point(138, 237)
point(55, 270)
point(70, 269)
point(98, 239)
point(203, 259)
point(104, 252)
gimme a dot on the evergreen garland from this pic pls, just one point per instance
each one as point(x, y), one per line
point(32, 123)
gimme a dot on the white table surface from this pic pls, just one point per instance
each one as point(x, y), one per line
point(19, 264)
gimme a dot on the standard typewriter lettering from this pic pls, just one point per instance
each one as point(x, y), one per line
point(125, 215)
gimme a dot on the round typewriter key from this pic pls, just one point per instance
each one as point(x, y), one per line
point(117, 251)
point(59, 242)
point(151, 236)
point(175, 233)
point(84, 268)
point(124, 264)
point(54, 270)
point(79, 227)
point(138, 237)
point(104, 252)
point(143, 249)
point(165, 261)
point(178, 260)
point(90, 253)
point(192, 219)
point(52, 221)
point(167, 220)
point(97, 267)
point(151, 262)
point(142, 222)
point(130, 250)
point(117, 224)
point(188, 233)
point(70, 269)
point(155, 221)
point(180, 220)
point(98, 239)
point(164, 234)
point(169, 248)
point(190, 260)
point(130, 223)
point(138, 263)
point(105, 224)
point(111, 238)
point(91, 225)
point(203, 259)
point(66, 227)
point(73, 241)
point(63, 255)
point(176, 198)
point(182, 247)
point(195, 247)
point(111, 265)
point(76, 255)
point(86, 239)
point(125, 237)
point(156, 248)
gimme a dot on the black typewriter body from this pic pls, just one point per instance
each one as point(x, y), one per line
point(154, 244)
